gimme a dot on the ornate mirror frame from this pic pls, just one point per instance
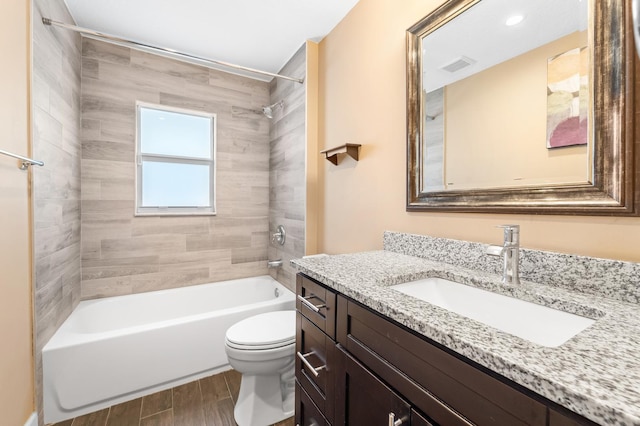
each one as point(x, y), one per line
point(614, 190)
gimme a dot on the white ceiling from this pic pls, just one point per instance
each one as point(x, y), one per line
point(260, 34)
point(481, 34)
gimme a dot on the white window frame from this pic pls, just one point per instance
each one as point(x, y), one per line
point(139, 157)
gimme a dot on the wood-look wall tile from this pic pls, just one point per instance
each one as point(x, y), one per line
point(217, 242)
point(106, 287)
point(155, 63)
point(90, 128)
point(90, 68)
point(56, 187)
point(249, 254)
point(101, 169)
point(118, 131)
point(176, 262)
point(165, 280)
point(118, 189)
point(111, 109)
point(148, 245)
point(98, 230)
point(93, 273)
point(107, 151)
point(287, 168)
point(105, 52)
point(170, 225)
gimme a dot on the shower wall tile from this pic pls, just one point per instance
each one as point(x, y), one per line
point(125, 254)
point(56, 186)
point(287, 168)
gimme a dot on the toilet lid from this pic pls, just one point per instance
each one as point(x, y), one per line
point(268, 330)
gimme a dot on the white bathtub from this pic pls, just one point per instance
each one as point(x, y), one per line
point(119, 348)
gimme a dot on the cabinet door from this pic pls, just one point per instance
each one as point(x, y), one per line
point(307, 414)
point(363, 399)
point(314, 364)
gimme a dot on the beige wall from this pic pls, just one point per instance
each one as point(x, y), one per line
point(16, 360)
point(123, 254)
point(503, 139)
point(362, 100)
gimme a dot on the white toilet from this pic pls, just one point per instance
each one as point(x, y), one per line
point(262, 348)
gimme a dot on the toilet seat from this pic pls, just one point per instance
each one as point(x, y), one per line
point(264, 331)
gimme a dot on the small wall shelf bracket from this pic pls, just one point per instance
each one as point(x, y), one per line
point(351, 149)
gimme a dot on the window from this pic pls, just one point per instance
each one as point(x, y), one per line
point(175, 161)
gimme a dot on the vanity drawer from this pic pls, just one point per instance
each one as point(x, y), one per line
point(315, 353)
point(317, 303)
point(307, 414)
point(437, 377)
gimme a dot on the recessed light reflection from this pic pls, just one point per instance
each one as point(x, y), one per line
point(514, 20)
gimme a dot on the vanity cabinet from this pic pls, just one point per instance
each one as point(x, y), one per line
point(315, 353)
point(373, 371)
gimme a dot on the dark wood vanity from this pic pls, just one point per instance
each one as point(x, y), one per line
point(355, 366)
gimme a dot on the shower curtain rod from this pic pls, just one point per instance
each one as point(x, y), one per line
point(164, 51)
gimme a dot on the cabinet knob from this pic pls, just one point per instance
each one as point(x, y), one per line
point(393, 421)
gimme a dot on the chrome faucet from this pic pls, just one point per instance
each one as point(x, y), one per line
point(510, 252)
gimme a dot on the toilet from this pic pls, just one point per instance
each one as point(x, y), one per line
point(262, 349)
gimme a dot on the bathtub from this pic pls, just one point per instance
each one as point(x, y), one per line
point(119, 348)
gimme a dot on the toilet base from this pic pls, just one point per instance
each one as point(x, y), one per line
point(260, 401)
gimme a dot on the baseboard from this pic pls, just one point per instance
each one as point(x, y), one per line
point(32, 420)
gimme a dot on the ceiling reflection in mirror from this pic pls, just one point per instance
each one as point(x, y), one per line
point(506, 97)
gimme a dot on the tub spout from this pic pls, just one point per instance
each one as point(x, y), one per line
point(274, 263)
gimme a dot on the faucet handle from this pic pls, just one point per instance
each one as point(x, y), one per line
point(511, 233)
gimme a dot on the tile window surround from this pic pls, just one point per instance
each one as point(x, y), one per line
point(123, 254)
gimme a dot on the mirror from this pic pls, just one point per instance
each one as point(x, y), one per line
point(532, 115)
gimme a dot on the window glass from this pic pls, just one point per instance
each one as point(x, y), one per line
point(175, 161)
point(175, 134)
point(175, 185)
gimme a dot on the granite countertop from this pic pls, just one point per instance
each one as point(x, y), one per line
point(596, 373)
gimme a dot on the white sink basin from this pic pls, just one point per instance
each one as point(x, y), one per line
point(535, 323)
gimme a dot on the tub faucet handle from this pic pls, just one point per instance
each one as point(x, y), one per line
point(279, 236)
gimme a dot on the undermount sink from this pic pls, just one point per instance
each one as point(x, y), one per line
point(535, 323)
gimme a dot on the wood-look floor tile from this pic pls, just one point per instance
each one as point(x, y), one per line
point(187, 405)
point(97, 418)
point(157, 402)
point(125, 414)
point(214, 388)
point(219, 413)
point(164, 418)
point(233, 379)
point(288, 422)
point(64, 423)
